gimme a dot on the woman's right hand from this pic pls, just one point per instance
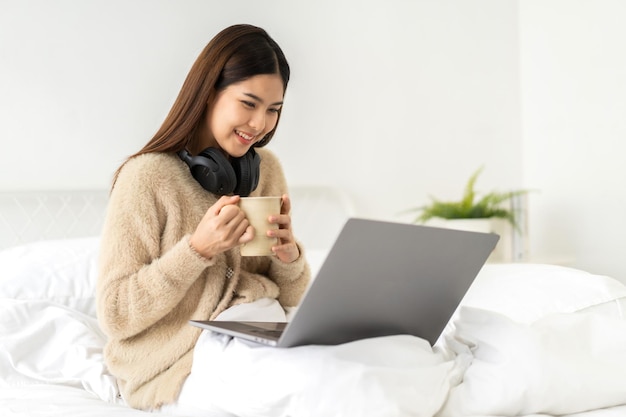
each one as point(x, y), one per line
point(223, 227)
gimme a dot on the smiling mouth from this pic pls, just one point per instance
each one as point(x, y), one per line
point(244, 136)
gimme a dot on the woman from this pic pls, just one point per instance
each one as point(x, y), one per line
point(170, 242)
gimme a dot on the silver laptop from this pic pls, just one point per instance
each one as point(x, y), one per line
point(379, 279)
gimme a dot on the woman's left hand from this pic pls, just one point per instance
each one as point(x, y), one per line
point(286, 250)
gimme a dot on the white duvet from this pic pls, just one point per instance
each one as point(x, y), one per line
point(529, 340)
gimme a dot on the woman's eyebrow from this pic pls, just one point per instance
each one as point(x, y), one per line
point(257, 98)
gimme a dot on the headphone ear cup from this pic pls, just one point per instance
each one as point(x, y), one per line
point(212, 170)
point(247, 171)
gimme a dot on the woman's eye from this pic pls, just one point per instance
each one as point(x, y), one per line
point(248, 104)
point(274, 110)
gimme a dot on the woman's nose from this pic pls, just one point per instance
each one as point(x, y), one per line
point(257, 122)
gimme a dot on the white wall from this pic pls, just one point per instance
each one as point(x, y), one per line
point(573, 70)
point(391, 100)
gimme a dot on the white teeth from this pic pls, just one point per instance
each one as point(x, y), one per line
point(243, 135)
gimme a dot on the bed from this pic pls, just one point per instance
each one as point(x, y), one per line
point(527, 340)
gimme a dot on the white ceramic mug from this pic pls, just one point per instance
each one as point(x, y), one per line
point(258, 210)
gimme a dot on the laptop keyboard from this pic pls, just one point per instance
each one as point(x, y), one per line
point(264, 332)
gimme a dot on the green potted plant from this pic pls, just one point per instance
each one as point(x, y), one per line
point(470, 206)
point(491, 213)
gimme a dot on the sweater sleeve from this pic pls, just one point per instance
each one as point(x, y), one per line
point(292, 279)
point(138, 284)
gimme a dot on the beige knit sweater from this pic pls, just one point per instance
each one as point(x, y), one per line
point(151, 282)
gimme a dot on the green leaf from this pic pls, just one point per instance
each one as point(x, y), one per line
point(470, 206)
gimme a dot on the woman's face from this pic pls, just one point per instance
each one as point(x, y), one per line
point(242, 114)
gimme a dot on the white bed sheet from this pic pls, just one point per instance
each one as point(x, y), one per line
point(548, 339)
point(85, 389)
point(62, 401)
point(560, 364)
point(50, 400)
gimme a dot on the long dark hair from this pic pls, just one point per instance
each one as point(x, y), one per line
point(233, 55)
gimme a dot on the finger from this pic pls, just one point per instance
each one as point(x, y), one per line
point(283, 221)
point(285, 207)
point(232, 215)
point(284, 235)
point(224, 201)
point(286, 253)
point(247, 235)
point(239, 225)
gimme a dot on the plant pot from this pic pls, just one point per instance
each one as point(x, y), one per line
point(501, 227)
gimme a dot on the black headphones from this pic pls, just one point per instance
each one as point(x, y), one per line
point(219, 175)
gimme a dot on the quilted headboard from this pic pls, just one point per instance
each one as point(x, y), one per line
point(318, 214)
point(27, 216)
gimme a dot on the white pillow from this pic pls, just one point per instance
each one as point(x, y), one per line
point(62, 271)
point(528, 292)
